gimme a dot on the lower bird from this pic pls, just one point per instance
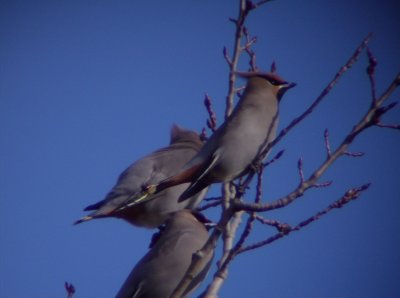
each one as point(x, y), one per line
point(159, 272)
point(149, 170)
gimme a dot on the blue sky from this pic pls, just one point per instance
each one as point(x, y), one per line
point(87, 87)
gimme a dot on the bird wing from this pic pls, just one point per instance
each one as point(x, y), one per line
point(201, 181)
point(161, 172)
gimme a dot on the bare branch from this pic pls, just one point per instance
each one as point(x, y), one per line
point(247, 48)
point(212, 199)
point(209, 205)
point(322, 184)
point(259, 3)
point(281, 227)
point(203, 135)
point(300, 169)
point(327, 145)
point(273, 66)
point(354, 154)
point(274, 159)
point(222, 272)
point(245, 6)
point(371, 74)
point(393, 126)
point(389, 91)
point(380, 112)
point(212, 120)
point(243, 11)
point(230, 234)
point(70, 289)
point(226, 56)
point(350, 195)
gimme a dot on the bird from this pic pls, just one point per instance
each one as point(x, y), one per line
point(153, 168)
point(159, 272)
point(230, 151)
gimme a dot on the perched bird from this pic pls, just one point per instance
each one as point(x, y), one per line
point(230, 151)
point(151, 169)
point(159, 272)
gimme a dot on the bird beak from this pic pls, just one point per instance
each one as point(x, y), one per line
point(289, 86)
point(283, 88)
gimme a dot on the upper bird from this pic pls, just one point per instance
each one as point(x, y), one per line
point(159, 272)
point(230, 151)
point(151, 169)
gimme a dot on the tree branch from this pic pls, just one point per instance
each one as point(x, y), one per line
point(350, 195)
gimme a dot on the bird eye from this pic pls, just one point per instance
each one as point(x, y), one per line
point(274, 82)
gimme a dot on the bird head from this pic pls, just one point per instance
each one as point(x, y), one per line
point(178, 134)
point(279, 85)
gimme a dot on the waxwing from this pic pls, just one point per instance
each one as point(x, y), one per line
point(159, 272)
point(230, 151)
point(151, 169)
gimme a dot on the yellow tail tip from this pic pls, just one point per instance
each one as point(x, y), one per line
point(83, 219)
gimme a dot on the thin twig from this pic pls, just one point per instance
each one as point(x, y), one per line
point(274, 159)
point(209, 205)
point(259, 3)
point(273, 66)
point(354, 154)
point(281, 227)
point(393, 126)
point(212, 199)
point(70, 289)
point(243, 11)
point(372, 62)
point(385, 109)
point(300, 170)
point(350, 195)
point(327, 145)
point(250, 41)
point(212, 118)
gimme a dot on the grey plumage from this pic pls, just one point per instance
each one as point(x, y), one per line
point(151, 169)
point(230, 151)
point(159, 272)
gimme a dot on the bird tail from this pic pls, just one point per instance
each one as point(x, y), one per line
point(83, 219)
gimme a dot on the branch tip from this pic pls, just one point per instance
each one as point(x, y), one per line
point(70, 289)
point(372, 62)
point(323, 184)
point(212, 119)
point(273, 66)
point(327, 145)
point(300, 169)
